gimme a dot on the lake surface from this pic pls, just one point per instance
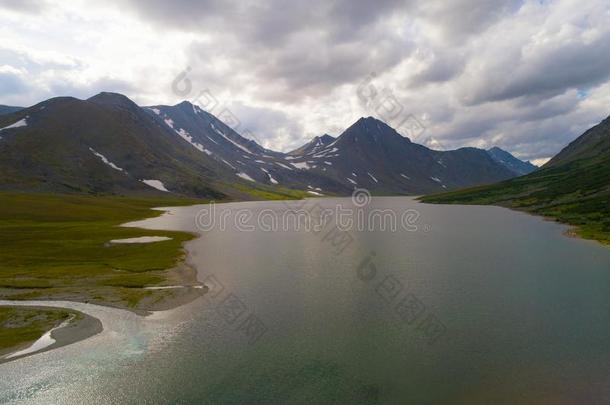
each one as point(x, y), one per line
point(461, 304)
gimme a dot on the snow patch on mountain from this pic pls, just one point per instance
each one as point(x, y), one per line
point(284, 166)
point(302, 165)
point(228, 164)
point(21, 123)
point(245, 176)
point(326, 153)
point(106, 161)
point(155, 184)
point(187, 137)
point(219, 132)
point(271, 179)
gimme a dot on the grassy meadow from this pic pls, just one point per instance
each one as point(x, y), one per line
point(21, 326)
point(56, 247)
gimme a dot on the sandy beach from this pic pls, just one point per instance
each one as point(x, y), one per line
point(74, 330)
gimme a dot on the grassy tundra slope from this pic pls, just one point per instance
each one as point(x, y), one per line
point(56, 247)
point(573, 188)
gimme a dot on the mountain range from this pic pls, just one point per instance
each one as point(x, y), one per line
point(372, 155)
point(109, 145)
point(7, 109)
point(517, 166)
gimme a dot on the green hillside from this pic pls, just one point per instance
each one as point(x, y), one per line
point(573, 188)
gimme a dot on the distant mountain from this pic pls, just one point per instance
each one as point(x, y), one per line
point(372, 155)
point(237, 156)
point(7, 109)
point(315, 145)
point(573, 187)
point(519, 167)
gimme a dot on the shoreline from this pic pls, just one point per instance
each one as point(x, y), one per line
point(572, 231)
point(74, 330)
point(184, 288)
point(183, 282)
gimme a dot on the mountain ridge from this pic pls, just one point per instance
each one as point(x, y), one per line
point(105, 144)
point(512, 163)
point(314, 145)
point(109, 144)
point(593, 142)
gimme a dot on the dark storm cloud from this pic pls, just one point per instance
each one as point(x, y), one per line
point(24, 6)
point(535, 108)
point(441, 67)
point(307, 49)
point(547, 73)
point(298, 49)
point(182, 14)
point(267, 20)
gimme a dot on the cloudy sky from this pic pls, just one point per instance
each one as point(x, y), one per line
point(528, 76)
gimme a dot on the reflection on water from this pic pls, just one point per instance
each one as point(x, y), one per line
point(478, 305)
